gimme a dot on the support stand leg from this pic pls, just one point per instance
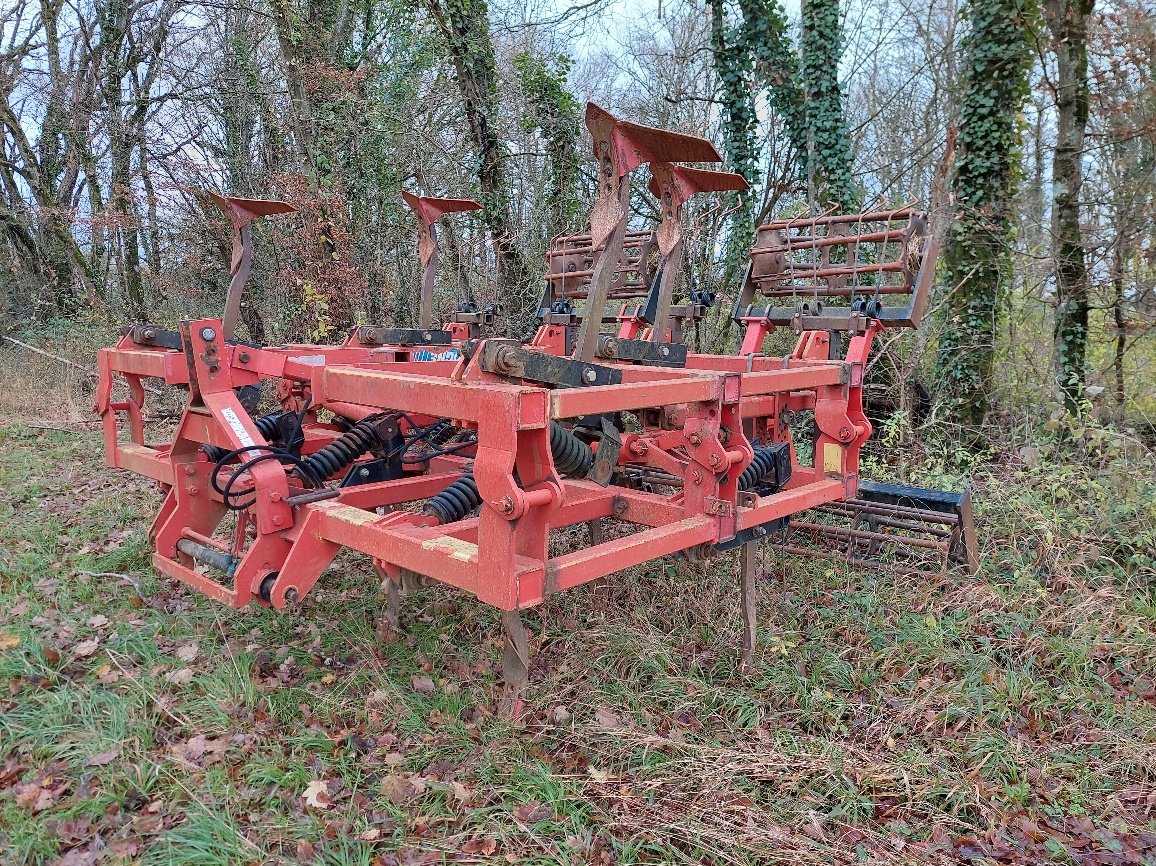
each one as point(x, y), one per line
point(388, 627)
point(515, 662)
point(748, 562)
point(600, 586)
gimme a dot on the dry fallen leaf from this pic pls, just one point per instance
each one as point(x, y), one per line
point(532, 813)
point(606, 718)
point(423, 684)
point(398, 790)
point(188, 652)
point(485, 847)
point(98, 621)
point(9, 641)
point(86, 647)
point(180, 677)
point(100, 759)
point(370, 835)
point(317, 794)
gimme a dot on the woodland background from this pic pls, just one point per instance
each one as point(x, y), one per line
point(1005, 717)
point(1028, 127)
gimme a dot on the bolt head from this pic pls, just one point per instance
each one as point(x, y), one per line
point(590, 376)
point(364, 473)
point(665, 352)
point(208, 334)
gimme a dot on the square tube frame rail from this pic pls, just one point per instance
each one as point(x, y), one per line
point(501, 555)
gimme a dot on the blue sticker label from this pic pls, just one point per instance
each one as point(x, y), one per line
point(427, 355)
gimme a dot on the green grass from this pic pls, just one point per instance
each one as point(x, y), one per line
point(888, 718)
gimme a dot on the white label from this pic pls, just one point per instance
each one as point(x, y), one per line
point(238, 428)
point(309, 360)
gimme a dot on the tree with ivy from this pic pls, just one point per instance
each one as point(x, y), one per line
point(1067, 22)
point(733, 65)
point(828, 151)
point(554, 112)
point(755, 54)
point(465, 27)
point(997, 55)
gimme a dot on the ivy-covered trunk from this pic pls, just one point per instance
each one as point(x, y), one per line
point(828, 145)
point(465, 25)
point(997, 55)
point(731, 57)
point(1068, 22)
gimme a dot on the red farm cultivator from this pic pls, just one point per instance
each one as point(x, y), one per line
point(446, 455)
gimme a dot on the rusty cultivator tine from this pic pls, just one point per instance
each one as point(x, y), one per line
point(429, 210)
point(241, 212)
point(673, 185)
point(621, 147)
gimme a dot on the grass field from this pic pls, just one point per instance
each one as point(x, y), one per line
point(1007, 718)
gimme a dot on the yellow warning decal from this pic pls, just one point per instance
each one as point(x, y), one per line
point(832, 457)
point(455, 547)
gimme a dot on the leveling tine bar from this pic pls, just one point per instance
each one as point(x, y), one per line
point(429, 210)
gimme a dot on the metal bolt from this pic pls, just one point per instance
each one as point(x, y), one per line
point(844, 433)
point(208, 334)
point(148, 334)
point(694, 439)
point(590, 375)
point(696, 476)
point(292, 595)
point(278, 519)
point(665, 352)
point(714, 460)
point(274, 496)
point(190, 470)
point(506, 505)
point(244, 357)
point(193, 490)
point(364, 473)
point(427, 336)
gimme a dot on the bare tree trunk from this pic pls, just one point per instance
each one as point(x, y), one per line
point(1068, 22)
point(1118, 316)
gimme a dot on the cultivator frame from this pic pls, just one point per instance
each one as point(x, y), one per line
point(452, 456)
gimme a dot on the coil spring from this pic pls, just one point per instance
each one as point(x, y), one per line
point(456, 501)
point(572, 456)
point(267, 424)
point(763, 463)
point(339, 453)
